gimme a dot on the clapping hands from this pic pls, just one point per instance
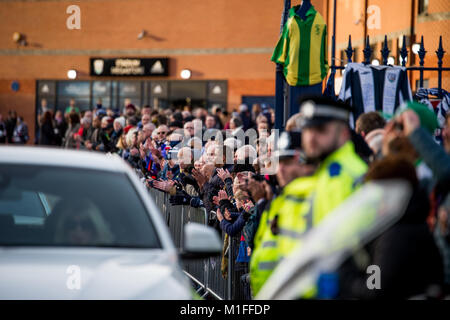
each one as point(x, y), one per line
point(163, 185)
point(223, 174)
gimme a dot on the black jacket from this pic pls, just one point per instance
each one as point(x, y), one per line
point(47, 135)
point(406, 254)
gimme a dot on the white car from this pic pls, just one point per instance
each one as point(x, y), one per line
point(80, 225)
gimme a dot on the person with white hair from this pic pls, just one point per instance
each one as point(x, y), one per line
point(196, 145)
point(154, 135)
point(233, 143)
point(244, 152)
point(210, 151)
point(148, 130)
point(118, 125)
point(243, 108)
point(186, 114)
point(120, 121)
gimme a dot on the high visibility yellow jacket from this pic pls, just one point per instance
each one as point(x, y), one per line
point(303, 204)
point(338, 176)
point(296, 213)
point(265, 254)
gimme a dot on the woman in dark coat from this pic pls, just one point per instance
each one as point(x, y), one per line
point(47, 135)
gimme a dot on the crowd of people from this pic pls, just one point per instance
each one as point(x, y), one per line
point(13, 129)
point(269, 189)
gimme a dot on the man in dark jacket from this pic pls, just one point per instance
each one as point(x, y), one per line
point(246, 117)
point(215, 184)
point(2, 130)
point(11, 122)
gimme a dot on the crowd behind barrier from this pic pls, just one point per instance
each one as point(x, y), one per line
point(205, 273)
point(263, 190)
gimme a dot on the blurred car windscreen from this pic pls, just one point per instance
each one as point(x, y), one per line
point(61, 206)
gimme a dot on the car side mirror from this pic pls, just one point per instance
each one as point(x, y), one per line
point(200, 242)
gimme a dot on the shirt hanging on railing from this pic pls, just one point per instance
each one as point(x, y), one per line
point(440, 106)
point(302, 48)
point(374, 88)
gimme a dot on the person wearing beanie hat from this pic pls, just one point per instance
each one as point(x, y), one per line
point(418, 124)
point(428, 119)
point(130, 110)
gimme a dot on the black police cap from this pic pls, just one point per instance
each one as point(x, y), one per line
point(289, 143)
point(317, 110)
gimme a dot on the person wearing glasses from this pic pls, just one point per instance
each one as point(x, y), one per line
point(188, 130)
point(162, 132)
point(79, 223)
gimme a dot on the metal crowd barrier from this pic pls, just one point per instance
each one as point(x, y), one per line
point(206, 273)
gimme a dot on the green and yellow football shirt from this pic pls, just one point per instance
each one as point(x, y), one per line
point(302, 48)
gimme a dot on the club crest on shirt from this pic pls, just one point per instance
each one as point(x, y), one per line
point(317, 27)
point(391, 77)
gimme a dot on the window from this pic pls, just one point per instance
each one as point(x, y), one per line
point(425, 84)
point(50, 206)
point(101, 90)
point(423, 6)
point(78, 90)
point(130, 91)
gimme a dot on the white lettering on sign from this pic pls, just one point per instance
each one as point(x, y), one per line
point(127, 62)
point(74, 20)
point(374, 18)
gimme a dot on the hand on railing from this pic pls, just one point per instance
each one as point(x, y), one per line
point(180, 199)
point(163, 185)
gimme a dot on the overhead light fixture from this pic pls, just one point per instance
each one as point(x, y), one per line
point(375, 62)
point(20, 39)
point(416, 48)
point(142, 34)
point(391, 60)
point(72, 74)
point(186, 74)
